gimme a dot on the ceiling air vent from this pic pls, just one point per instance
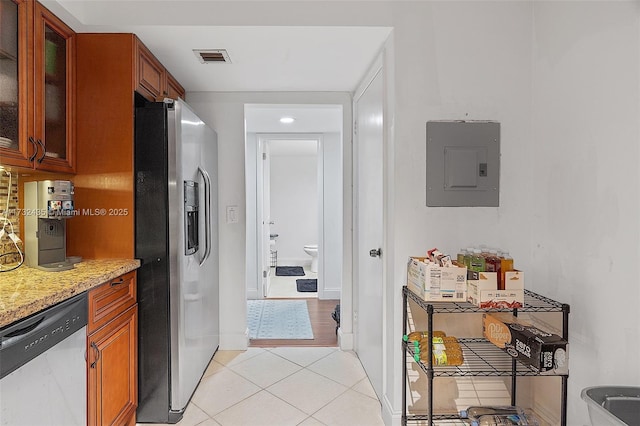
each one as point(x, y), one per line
point(208, 56)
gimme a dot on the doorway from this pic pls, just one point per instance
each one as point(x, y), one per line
point(324, 124)
point(290, 214)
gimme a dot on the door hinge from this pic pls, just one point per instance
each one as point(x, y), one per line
point(264, 274)
point(264, 155)
point(355, 128)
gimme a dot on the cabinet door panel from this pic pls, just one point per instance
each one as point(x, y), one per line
point(174, 89)
point(54, 92)
point(112, 377)
point(150, 75)
point(15, 147)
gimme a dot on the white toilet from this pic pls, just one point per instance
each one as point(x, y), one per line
point(312, 250)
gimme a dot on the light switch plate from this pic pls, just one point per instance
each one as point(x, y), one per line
point(232, 214)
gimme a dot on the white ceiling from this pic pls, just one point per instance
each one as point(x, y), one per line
point(263, 58)
point(308, 118)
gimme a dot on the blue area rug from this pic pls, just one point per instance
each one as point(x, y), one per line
point(278, 319)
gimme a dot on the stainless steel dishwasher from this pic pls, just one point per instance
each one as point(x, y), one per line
point(43, 377)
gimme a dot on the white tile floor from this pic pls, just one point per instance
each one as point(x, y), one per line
point(304, 386)
point(285, 287)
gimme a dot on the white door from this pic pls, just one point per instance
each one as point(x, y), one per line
point(263, 216)
point(369, 228)
point(266, 217)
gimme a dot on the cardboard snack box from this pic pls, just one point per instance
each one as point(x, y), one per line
point(544, 352)
point(435, 283)
point(482, 290)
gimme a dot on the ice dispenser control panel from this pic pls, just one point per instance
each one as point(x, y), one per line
point(190, 217)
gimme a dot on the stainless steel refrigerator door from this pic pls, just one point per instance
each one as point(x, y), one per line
point(194, 296)
point(209, 281)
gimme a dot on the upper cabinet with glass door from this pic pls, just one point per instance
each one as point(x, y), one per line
point(14, 148)
point(40, 133)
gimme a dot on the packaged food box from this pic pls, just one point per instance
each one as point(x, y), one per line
point(482, 290)
point(435, 283)
point(544, 352)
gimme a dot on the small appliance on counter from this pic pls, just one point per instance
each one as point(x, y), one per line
point(47, 205)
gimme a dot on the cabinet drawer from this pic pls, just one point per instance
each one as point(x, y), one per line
point(110, 300)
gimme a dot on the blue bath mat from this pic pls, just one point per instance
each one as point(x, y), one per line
point(278, 319)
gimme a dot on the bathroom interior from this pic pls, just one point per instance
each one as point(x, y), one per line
point(292, 187)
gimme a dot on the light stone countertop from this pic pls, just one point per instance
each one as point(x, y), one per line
point(26, 290)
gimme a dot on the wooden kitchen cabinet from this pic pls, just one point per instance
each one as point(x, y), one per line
point(114, 72)
point(38, 109)
point(153, 81)
point(174, 89)
point(112, 353)
point(110, 300)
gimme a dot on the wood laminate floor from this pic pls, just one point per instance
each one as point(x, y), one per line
point(324, 327)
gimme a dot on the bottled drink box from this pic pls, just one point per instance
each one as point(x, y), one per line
point(544, 352)
point(482, 290)
point(435, 283)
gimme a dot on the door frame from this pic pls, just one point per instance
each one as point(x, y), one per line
point(344, 293)
point(262, 139)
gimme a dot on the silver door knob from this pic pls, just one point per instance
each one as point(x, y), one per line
point(375, 252)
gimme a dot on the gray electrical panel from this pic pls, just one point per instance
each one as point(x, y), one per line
point(463, 164)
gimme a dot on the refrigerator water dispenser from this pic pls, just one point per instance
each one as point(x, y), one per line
point(190, 217)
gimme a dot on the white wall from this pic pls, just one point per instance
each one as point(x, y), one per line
point(294, 206)
point(585, 222)
point(562, 78)
point(457, 60)
point(332, 264)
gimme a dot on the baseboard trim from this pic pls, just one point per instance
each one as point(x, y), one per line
point(234, 341)
point(345, 340)
point(329, 294)
point(389, 415)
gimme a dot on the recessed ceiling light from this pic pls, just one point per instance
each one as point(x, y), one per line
point(287, 120)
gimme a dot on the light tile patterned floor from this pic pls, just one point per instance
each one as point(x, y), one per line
point(304, 386)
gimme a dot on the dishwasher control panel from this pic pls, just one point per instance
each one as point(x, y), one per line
point(25, 339)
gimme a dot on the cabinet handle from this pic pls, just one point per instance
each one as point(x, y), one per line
point(118, 282)
point(35, 149)
point(44, 151)
point(95, 348)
